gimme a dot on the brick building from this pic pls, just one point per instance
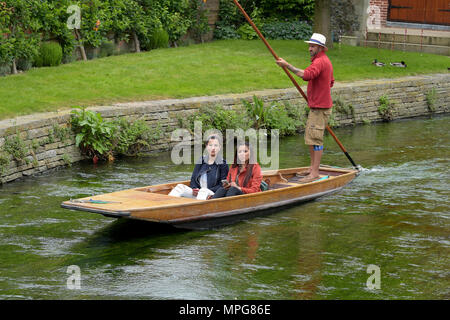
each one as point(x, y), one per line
point(408, 25)
point(426, 13)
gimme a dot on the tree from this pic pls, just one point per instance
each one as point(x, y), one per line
point(54, 16)
point(322, 20)
point(17, 31)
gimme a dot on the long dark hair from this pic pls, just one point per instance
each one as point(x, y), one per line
point(249, 162)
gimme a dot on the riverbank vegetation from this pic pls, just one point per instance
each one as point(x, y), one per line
point(284, 117)
point(104, 140)
point(219, 67)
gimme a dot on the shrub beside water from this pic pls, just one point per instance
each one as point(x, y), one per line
point(50, 55)
point(105, 139)
point(386, 108)
point(285, 118)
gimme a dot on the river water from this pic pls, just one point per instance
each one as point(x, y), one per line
point(394, 216)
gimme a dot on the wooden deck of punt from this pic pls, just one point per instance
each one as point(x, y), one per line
point(152, 203)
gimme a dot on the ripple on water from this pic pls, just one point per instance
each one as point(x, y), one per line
point(53, 247)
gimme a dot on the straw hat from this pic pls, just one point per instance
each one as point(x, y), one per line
point(319, 39)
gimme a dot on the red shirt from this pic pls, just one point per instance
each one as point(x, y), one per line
point(253, 185)
point(320, 80)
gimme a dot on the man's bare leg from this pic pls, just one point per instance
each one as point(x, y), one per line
point(316, 156)
point(306, 172)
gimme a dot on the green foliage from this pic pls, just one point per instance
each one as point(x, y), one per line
point(278, 118)
point(285, 30)
point(288, 9)
point(25, 23)
point(246, 30)
point(131, 138)
point(344, 20)
point(386, 108)
point(276, 13)
point(60, 132)
point(158, 39)
point(16, 147)
point(107, 49)
point(257, 112)
point(343, 108)
point(431, 100)
point(285, 118)
point(5, 68)
point(332, 122)
point(17, 27)
point(50, 55)
point(4, 163)
point(200, 25)
point(298, 112)
point(229, 14)
point(365, 121)
point(96, 137)
point(216, 117)
point(223, 32)
point(53, 16)
point(67, 160)
point(24, 64)
point(93, 134)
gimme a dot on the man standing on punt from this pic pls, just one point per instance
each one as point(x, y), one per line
point(320, 80)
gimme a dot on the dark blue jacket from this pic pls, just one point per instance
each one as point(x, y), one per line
point(214, 172)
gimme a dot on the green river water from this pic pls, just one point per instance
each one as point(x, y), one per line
point(395, 215)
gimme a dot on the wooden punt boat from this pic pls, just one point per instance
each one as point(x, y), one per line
point(152, 203)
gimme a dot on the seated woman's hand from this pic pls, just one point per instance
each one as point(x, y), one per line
point(233, 184)
point(195, 192)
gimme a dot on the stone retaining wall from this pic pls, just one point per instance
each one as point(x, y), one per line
point(49, 144)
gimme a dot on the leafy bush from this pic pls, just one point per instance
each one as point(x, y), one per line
point(16, 147)
point(430, 97)
point(257, 112)
point(4, 163)
point(93, 134)
point(96, 137)
point(24, 64)
point(246, 30)
point(18, 26)
point(229, 14)
point(50, 55)
point(278, 118)
point(343, 18)
point(223, 32)
point(5, 68)
point(199, 18)
point(107, 48)
point(216, 117)
point(268, 11)
point(284, 117)
point(133, 137)
point(283, 30)
point(158, 39)
point(386, 108)
point(288, 9)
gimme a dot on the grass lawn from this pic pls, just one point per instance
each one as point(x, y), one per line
point(231, 66)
